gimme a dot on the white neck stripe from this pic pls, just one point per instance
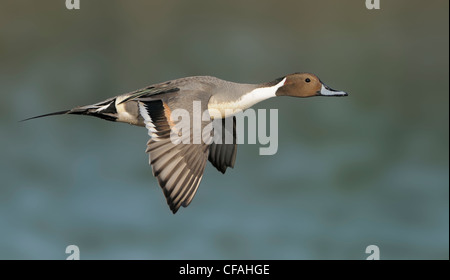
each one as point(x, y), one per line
point(257, 95)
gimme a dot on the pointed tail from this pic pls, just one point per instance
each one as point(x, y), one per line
point(46, 115)
point(105, 110)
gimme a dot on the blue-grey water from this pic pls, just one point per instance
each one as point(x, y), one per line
point(368, 169)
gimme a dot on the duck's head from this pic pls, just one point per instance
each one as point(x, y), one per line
point(306, 85)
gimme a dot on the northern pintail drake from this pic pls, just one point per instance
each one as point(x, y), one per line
point(179, 166)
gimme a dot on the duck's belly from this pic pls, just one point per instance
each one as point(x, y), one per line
point(224, 110)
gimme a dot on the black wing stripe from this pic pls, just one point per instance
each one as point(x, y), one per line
point(187, 181)
point(153, 145)
point(193, 190)
point(177, 195)
point(177, 167)
point(195, 171)
point(151, 91)
point(176, 179)
point(169, 154)
point(166, 168)
point(187, 200)
point(163, 152)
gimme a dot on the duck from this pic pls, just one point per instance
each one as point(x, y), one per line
point(179, 166)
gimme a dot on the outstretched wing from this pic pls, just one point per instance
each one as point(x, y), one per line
point(223, 155)
point(177, 166)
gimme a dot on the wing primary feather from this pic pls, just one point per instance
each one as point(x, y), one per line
point(181, 194)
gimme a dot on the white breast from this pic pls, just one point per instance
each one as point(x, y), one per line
point(247, 100)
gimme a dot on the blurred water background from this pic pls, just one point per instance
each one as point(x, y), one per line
point(372, 168)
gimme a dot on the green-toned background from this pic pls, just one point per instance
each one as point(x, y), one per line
point(372, 168)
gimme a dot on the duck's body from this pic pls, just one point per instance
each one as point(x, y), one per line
point(179, 166)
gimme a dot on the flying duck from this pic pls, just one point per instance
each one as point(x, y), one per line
point(179, 166)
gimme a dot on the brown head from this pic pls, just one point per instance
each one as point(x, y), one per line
point(306, 85)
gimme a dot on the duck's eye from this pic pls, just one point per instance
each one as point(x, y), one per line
point(308, 80)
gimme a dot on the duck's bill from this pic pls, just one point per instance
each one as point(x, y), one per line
point(327, 91)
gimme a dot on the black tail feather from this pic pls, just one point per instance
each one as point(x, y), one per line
point(105, 110)
point(46, 115)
